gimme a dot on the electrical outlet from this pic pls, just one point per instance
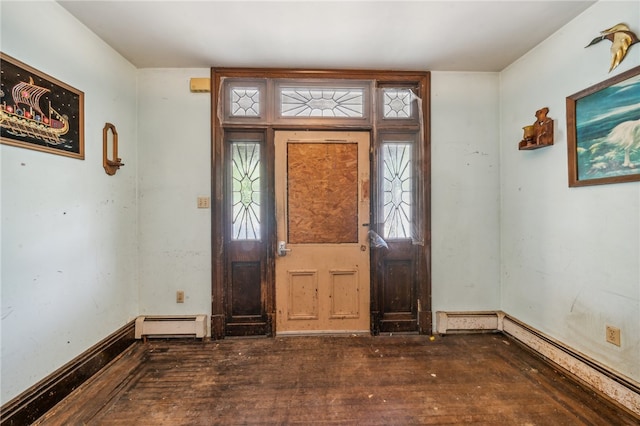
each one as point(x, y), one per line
point(180, 296)
point(203, 202)
point(613, 335)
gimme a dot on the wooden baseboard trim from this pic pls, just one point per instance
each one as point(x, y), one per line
point(611, 385)
point(31, 404)
point(620, 390)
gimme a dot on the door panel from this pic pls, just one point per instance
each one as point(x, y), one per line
point(245, 294)
point(397, 289)
point(322, 283)
point(303, 295)
point(344, 296)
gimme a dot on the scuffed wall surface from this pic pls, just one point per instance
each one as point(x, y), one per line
point(465, 175)
point(69, 251)
point(570, 257)
point(175, 169)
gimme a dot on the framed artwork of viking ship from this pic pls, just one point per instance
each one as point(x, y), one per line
point(39, 112)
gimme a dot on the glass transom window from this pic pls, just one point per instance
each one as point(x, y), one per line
point(397, 103)
point(322, 102)
point(245, 101)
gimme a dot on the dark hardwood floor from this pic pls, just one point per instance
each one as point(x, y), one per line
point(355, 380)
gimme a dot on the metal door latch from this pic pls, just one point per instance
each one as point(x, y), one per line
point(282, 248)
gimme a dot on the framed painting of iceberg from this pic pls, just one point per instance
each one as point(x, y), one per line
point(603, 131)
point(39, 112)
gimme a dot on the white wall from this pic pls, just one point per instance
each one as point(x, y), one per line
point(69, 254)
point(465, 188)
point(175, 168)
point(570, 257)
point(175, 244)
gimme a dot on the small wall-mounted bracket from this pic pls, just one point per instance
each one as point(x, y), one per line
point(540, 133)
point(110, 135)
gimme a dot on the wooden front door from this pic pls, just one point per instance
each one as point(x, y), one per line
point(322, 212)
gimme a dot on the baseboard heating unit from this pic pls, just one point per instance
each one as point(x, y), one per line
point(171, 326)
point(610, 384)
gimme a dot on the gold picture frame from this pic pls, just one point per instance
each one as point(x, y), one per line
point(38, 111)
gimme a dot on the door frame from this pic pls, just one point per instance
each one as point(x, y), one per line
point(419, 254)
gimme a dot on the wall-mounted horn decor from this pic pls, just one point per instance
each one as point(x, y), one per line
point(112, 165)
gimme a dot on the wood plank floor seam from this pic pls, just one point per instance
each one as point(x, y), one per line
point(483, 379)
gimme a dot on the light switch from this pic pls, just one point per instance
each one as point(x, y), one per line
point(203, 202)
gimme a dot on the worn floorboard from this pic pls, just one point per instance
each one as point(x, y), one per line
point(397, 380)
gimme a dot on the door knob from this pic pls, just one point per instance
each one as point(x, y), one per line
point(282, 248)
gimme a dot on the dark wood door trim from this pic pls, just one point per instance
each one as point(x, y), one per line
point(419, 318)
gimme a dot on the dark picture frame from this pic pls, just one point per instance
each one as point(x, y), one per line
point(38, 111)
point(603, 131)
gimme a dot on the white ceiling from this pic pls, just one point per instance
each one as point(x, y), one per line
point(432, 35)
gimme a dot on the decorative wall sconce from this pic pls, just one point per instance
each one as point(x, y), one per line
point(112, 165)
point(540, 133)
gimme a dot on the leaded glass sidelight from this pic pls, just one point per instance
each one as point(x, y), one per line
point(397, 190)
point(322, 102)
point(245, 101)
point(397, 103)
point(246, 191)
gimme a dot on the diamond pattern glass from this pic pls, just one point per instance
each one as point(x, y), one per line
point(245, 102)
point(397, 103)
